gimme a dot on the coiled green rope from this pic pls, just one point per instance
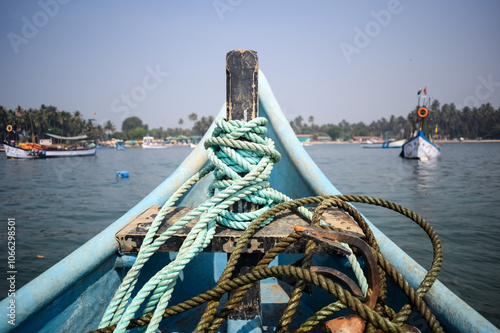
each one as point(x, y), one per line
point(261, 271)
point(235, 148)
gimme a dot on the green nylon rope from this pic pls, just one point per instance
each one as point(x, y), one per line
point(345, 299)
point(241, 161)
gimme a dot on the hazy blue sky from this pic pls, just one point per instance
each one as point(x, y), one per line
point(162, 60)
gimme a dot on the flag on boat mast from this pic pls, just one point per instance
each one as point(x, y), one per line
point(425, 91)
point(419, 91)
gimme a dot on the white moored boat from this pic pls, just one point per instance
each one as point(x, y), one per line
point(31, 150)
point(15, 152)
point(148, 142)
point(419, 147)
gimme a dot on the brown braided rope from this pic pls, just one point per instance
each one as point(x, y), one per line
point(279, 272)
point(210, 322)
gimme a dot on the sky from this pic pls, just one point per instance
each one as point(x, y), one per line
point(163, 60)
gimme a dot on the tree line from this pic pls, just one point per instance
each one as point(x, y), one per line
point(133, 128)
point(451, 122)
point(32, 124)
point(26, 125)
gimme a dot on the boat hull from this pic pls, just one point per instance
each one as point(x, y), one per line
point(420, 147)
point(155, 146)
point(14, 152)
point(386, 144)
point(73, 294)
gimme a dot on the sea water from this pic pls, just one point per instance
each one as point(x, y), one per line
point(59, 204)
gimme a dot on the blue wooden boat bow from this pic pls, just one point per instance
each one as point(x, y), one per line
point(73, 294)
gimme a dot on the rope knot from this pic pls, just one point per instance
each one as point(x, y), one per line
point(243, 160)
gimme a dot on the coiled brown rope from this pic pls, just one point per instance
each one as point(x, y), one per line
point(210, 321)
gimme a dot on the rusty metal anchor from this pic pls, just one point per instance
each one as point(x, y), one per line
point(331, 239)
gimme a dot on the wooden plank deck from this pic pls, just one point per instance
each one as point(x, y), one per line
point(132, 235)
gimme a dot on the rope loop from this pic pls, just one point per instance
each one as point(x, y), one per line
point(237, 149)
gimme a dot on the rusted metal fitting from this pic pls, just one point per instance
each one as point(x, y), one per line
point(406, 327)
point(347, 324)
point(332, 239)
point(410, 329)
point(339, 277)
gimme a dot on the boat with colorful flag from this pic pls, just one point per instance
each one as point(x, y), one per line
point(247, 235)
point(419, 146)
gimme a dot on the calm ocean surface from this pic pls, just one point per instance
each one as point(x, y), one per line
point(59, 204)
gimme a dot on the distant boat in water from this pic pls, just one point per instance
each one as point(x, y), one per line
point(15, 152)
point(391, 143)
point(34, 150)
point(419, 146)
point(148, 142)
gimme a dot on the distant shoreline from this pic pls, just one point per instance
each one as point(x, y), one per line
point(437, 141)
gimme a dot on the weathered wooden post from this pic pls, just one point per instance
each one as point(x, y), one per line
point(242, 103)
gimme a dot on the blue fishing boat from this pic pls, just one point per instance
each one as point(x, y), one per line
point(209, 249)
point(419, 146)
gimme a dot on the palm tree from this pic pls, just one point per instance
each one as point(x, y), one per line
point(109, 128)
point(201, 126)
point(181, 122)
point(52, 115)
point(4, 122)
point(298, 124)
point(40, 122)
point(311, 120)
point(76, 123)
point(64, 119)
